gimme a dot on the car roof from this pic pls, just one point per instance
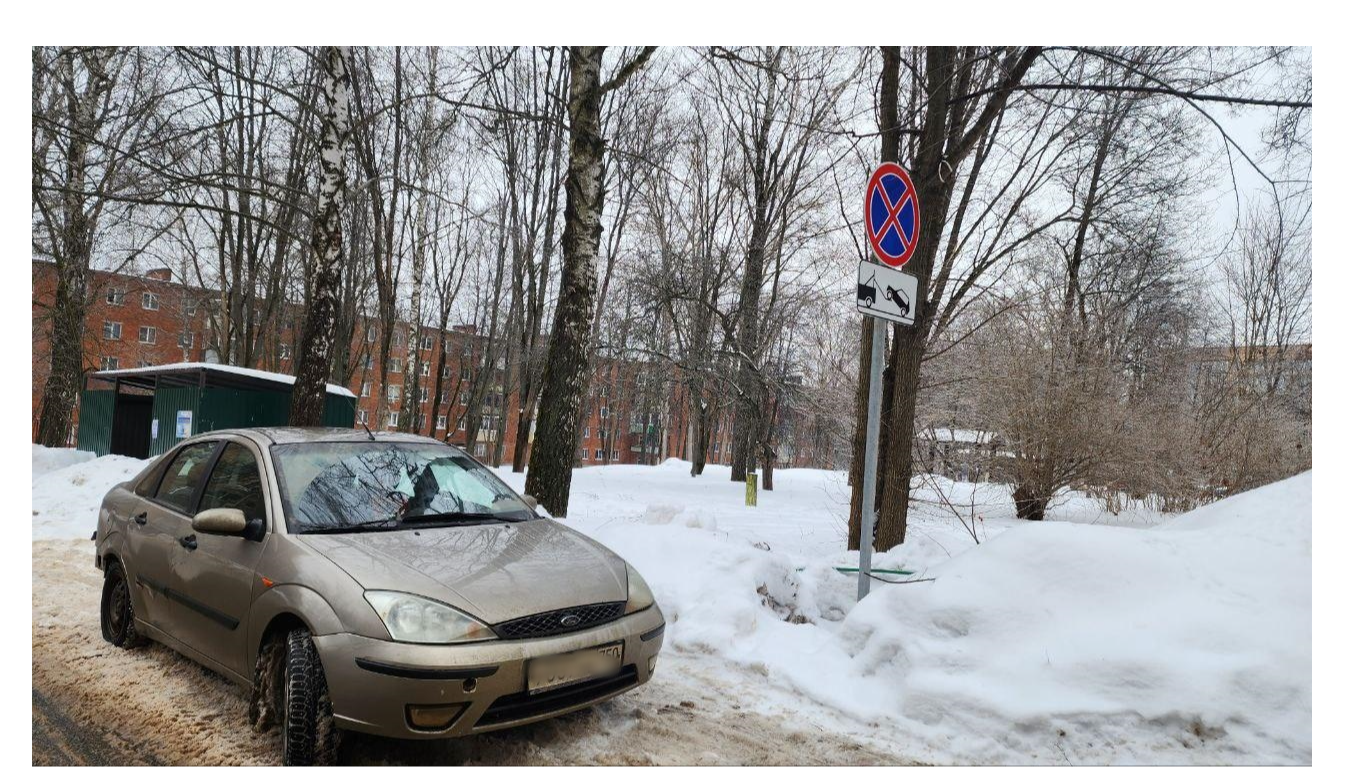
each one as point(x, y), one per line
point(287, 435)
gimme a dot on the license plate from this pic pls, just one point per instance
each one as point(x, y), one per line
point(555, 671)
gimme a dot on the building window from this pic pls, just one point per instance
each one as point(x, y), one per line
point(392, 420)
point(365, 388)
point(614, 455)
point(146, 334)
point(442, 422)
point(394, 392)
point(363, 416)
point(425, 394)
point(605, 412)
point(586, 432)
point(187, 340)
point(422, 427)
point(368, 362)
point(480, 450)
point(487, 422)
point(463, 423)
point(598, 454)
point(463, 374)
point(151, 302)
point(425, 368)
point(115, 297)
point(463, 397)
point(427, 343)
point(394, 364)
point(372, 335)
point(445, 373)
point(113, 330)
point(191, 306)
point(285, 352)
point(585, 453)
point(108, 363)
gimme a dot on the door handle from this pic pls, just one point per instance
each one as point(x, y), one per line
point(140, 519)
point(189, 542)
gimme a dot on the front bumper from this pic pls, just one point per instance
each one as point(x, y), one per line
point(373, 681)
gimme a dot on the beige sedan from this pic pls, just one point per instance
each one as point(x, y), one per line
point(386, 584)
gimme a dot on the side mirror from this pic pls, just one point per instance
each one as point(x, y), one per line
point(529, 500)
point(220, 522)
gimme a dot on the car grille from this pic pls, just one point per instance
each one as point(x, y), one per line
point(559, 621)
point(522, 705)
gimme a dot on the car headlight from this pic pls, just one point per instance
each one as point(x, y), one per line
point(640, 596)
point(410, 618)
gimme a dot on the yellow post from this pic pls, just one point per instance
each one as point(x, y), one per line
point(751, 488)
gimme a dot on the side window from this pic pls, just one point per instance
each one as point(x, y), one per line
point(183, 475)
point(235, 483)
point(147, 487)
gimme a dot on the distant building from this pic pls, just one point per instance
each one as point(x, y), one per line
point(966, 455)
point(154, 319)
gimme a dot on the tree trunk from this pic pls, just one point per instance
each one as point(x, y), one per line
point(319, 327)
point(892, 60)
point(556, 436)
point(1031, 502)
point(699, 425)
point(750, 387)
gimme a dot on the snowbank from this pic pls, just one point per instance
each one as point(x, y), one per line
point(49, 459)
point(68, 486)
point(1094, 640)
point(1110, 644)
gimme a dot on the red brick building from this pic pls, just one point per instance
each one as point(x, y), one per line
point(153, 319)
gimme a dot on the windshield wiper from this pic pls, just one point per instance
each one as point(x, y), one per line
point(467, 517)
point(384, 523)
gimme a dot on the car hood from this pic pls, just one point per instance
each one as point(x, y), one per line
point(494, 572)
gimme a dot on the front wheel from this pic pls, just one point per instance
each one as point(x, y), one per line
point(116, 621)
point(310, 735)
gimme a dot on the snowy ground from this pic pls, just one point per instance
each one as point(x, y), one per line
point(1094, 638)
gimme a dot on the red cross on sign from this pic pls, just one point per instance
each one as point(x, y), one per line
point(892, 214)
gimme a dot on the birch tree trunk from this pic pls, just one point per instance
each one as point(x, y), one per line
point(319, 326)
point(557, 435)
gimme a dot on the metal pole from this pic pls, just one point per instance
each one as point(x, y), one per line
point(872, 449)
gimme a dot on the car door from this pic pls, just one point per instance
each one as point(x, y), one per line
point(158, 533)
point(215, 575)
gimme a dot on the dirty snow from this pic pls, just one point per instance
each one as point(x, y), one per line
point(68, 486)
point(1096, 637)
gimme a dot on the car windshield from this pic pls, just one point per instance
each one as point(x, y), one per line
point(349, 486)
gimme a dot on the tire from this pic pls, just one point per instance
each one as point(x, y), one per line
point(310, 735)
point(116, 617)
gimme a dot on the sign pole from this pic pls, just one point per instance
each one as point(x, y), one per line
point(886, 294)
point(872, 449)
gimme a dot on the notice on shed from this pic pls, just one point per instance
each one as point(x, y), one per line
point(184, 423)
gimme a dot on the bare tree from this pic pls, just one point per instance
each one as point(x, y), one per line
point(94, 111)
point(319, 327)
point(556, 435)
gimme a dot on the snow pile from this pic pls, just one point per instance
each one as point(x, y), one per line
point(1097, 638)
point(1099, 644)
point(49, 459)
point(68, 486)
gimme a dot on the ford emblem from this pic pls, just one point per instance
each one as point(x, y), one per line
point(570, 620)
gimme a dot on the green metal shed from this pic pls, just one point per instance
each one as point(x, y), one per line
point(142, 412)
